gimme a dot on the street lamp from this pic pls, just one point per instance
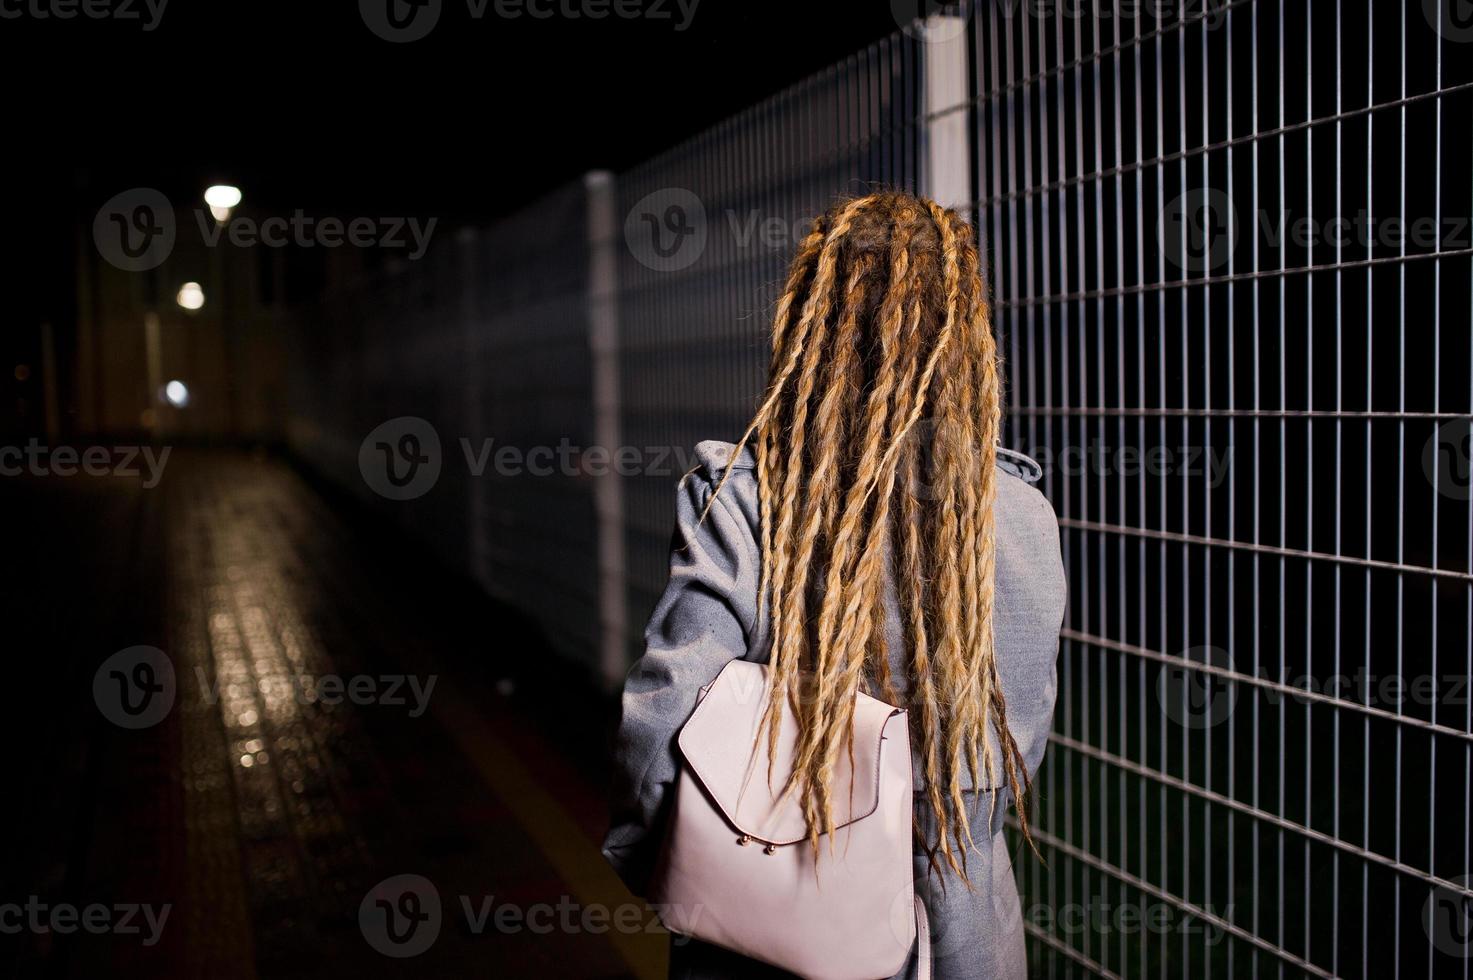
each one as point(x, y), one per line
point(176, 393)
point(222, 198)
point(191, 296)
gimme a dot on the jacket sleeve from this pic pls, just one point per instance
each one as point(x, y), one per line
point(1031, 598)
point(704, 619)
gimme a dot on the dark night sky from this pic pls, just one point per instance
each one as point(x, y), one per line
point(303, 106)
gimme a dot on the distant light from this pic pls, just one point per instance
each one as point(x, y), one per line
point(191, 296)
point(222, 198)
point(177, 393)
point(22, 372)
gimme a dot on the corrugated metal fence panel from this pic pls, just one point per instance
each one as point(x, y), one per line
point(709, 230)
point(1255, 421)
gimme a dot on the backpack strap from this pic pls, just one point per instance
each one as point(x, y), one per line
point(923, 941)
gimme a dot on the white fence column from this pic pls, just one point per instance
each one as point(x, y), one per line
point(946, 165)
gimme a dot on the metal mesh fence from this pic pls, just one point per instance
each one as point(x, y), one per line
point(694, 308)
point(529, 385)
point(478, 351)
point(1231, 268)
point(1229, 253)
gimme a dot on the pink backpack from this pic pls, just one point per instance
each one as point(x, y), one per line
point(737, 869)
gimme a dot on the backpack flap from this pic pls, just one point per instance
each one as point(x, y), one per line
point(721, 747)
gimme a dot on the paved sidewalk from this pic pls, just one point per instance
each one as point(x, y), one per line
point(354, 765)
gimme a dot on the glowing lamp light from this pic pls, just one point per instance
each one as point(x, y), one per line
point(191, 296)
point(222, 198)
point(176, 393)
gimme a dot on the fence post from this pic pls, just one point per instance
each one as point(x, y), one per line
point(608, 490)
point(472, 418)
point(153, 359)
point(48, 382)
point(946, 170)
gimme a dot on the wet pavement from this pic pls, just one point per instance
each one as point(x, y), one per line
point(255, 735)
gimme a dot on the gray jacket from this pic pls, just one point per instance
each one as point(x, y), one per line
point(711, 613)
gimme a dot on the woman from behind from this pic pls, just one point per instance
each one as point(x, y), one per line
point(867, 534)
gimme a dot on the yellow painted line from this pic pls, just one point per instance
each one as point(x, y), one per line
point(580, 864)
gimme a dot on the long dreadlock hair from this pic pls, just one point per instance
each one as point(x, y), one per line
point(881, 418)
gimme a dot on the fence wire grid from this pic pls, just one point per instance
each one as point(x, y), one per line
point(1229, 256)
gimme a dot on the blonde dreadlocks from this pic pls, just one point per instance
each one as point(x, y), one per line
point(881, 417)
